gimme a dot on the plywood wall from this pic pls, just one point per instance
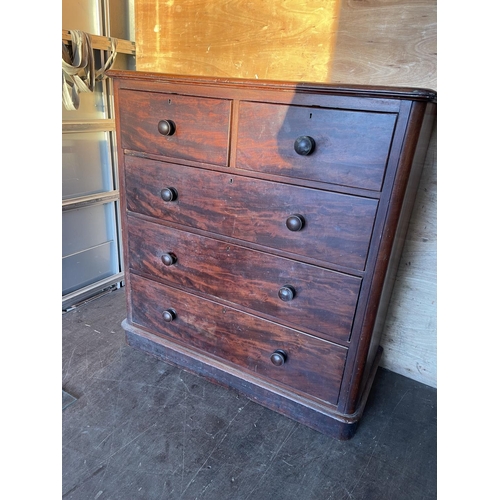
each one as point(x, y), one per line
point(410, 334)
point(393, 42)
point(289, 39)
point(386, 42)
point(374, 42)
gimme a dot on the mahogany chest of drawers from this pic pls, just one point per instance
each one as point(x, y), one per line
point(262, 226)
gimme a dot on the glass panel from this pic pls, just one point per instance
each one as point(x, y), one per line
point(86, 164)
point(90, 251)
point(87, 227)
point(91, 103)
point(87, 267)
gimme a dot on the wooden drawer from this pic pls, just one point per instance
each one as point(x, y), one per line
point(322, 301)
point(337, 228)
point(201, 125)
point(312, 366)
point(351, 147)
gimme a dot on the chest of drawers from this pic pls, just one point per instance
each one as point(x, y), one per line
point(262, 226)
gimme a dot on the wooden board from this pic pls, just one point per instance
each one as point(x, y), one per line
point(386, 42)
point(291, 39)
point(379, 42)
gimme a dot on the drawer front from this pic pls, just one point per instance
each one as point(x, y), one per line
point(308, 297)
point(350, 147)
point(335, 227)
point(312, 365)
point(200, 132)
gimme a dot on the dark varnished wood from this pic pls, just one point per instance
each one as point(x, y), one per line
point(337, 227)
point(350, 147)
point(241, 339)
point(223, 86)
point(346, 209)
point(201, 125)
point(324, 301)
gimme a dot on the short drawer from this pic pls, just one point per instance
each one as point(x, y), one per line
point(322, 225)
point(303, 362)
point(177, 126)
point(305, 296)
point(349, 148)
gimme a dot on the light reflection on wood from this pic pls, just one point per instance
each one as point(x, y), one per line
point(368, 42)
point(286, 40)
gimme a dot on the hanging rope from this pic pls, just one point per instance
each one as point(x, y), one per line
point(78, 68)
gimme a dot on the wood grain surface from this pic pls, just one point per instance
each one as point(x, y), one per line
point(379, 42)
point(241, 339)
point(324, 301)
point(192, 139)
point(351, 148)
point(256, 211)
point(386, 42)
point(262, 39)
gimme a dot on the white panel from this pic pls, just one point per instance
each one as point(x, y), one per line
point(86, 166)
point(89, 246)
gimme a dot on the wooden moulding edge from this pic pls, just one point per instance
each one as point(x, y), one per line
point(376, 91)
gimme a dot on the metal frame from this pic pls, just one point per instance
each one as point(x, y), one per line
point(101, 43)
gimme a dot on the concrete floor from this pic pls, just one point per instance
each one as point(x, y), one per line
point(142, 429)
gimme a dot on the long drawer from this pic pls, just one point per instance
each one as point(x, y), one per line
point(306, 296)
point(326, 226)
point(299, 361)
point(177, 126)
point(342, 147)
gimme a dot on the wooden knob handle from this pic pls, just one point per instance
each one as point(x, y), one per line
point(286, 293)
point(169, 315)
point(169, 259)
point(169, 194)
point(278, 357)
point(295, 222)
point(304, 145)
point(166, 127)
